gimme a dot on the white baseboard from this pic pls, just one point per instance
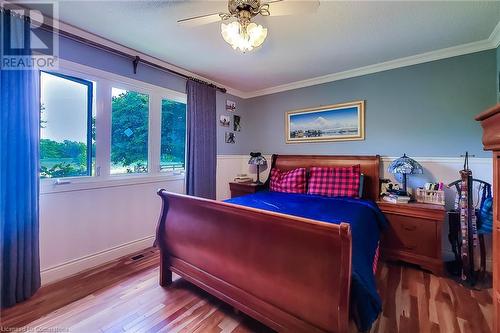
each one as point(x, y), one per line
point(72, 267)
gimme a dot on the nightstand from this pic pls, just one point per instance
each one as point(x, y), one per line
point(414, 234)
point(239, 189)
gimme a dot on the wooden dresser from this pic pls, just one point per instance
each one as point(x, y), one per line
point(490, 121)
point(414, 234)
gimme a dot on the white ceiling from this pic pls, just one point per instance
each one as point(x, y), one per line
point(340, 36)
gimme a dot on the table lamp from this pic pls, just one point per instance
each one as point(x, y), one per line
point(405, 166)
point(258, 160)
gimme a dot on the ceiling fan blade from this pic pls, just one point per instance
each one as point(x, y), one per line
point(200, 20)
point(292, 7)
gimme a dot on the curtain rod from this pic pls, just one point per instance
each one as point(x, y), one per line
point(135, 59)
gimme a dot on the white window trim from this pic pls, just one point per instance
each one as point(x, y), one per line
point(158, 127)
point(105, 81)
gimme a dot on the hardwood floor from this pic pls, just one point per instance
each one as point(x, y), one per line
point(124, 296)
point(417, 301)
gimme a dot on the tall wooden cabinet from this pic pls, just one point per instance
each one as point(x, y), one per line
point(490, 121)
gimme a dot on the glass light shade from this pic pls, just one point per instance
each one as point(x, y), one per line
point(405, 165)
point(238, 38)
point(257, 160)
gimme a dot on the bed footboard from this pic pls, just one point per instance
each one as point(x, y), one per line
point(290, 273)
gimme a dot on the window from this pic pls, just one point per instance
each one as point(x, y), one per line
point(140, 128)
point(129, 132)
point(173, 135)
point(66, 126)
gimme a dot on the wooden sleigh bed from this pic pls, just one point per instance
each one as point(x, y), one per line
point(290, 273)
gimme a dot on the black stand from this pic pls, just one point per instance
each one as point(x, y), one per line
point(258, 182)
point(404, 185)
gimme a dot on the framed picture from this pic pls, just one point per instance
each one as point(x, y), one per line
point(230, 106)
point(236, 123)
point(230, 137)
point(225, 121)
point(338, 122)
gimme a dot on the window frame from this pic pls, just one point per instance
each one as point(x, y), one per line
point(184, 101)
point(90, 105)
point(102, 177)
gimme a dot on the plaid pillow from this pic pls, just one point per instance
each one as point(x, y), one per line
point(293, 181)
point(335, 182)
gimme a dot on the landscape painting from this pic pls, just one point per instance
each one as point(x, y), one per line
point(339, 122)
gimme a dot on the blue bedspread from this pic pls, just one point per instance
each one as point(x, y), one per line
point(366, 221)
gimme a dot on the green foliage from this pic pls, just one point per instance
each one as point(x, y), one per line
point(62, 169)
point(62, 159)
point(139, 167)
point(66, 149)
point(129, 116)
point(129, 112)
point(173, 132)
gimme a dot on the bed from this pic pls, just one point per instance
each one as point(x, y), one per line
point(265, 256)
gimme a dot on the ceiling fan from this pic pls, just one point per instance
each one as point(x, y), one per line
point(239, 31)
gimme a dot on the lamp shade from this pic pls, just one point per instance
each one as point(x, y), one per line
point(243, 37)
point(405, 165)
point(257, 159)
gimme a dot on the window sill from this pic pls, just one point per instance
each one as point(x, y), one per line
point(48, 186)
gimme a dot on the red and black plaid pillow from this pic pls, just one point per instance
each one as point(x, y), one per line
point(335, 182)
point(293, 181)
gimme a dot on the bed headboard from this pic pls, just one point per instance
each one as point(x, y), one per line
point(370, 167)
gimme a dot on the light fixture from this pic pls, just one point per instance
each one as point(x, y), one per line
point(242, 35)
point(258, 160)
point(405, 166)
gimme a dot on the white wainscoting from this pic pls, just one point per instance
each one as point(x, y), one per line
point(443, 169)
point(85, 228)
point(228, 166)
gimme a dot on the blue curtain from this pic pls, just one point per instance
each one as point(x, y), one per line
point(19, 182)
point(201, 139)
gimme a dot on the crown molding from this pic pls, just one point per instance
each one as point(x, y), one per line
point(491, 43)
point(487, 44)
point(106, 42)
point(495, 36)
point(63, 26)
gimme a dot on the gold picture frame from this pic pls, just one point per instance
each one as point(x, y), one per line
point(336, 122)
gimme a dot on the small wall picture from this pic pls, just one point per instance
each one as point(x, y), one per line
point(236, 123)
point(339, 122)
point(230, 137)
point(225, 121)
point(230, 106)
